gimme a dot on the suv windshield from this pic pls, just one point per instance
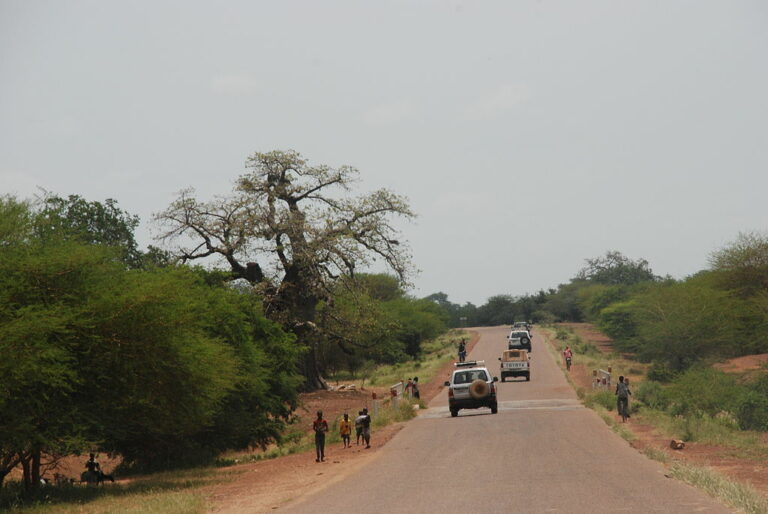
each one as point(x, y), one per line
point(466, 377)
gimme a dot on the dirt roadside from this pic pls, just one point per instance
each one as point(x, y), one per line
point(267, 485)
point(719, 458)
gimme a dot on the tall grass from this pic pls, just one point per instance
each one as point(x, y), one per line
point(434, 355)
point(735, 494)
point(715, 430)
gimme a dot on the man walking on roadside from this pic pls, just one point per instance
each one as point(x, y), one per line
point(320, 426)
point(622, 400)
point(462, 351)
point(366, 422)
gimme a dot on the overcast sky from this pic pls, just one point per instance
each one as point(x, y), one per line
point(528, 136)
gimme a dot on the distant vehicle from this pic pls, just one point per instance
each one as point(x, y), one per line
point(471, 387)
point(515, 363)
point(519, 340)
point(522, 324)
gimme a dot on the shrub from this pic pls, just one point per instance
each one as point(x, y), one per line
point(653, 395)
point(704, 390)
point(603, 398)
point(752, 411)
point(661, 372)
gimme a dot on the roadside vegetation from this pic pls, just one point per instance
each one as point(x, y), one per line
point(166, 364)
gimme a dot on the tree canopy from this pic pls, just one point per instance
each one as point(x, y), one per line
point(291, 229)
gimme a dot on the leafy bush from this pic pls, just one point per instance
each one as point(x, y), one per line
point(752, 411)
point(704, 390)
point(618, 321)
point(653, 394)
point(661, 372)
point(603, 398)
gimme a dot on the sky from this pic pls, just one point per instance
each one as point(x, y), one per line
point(527, 135)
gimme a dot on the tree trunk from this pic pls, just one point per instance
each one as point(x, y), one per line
point(35, 469)
point(309, 370)
point(26, 476)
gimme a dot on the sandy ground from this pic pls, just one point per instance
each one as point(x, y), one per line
point(717, 457)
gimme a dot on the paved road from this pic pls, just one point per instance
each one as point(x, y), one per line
point(543, 452)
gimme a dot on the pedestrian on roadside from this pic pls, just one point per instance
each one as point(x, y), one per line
point(359, 426)
point(462, 350)
point(408, 390)
point(567, 357)
point(345, 429)
point(320, 426)
point(622, 398)
point(415, 388)
point(366, 428)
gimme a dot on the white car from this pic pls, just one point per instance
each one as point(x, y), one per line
point(471, 387)
point(519, 340)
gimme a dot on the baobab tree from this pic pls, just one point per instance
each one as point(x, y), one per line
point(291, 230)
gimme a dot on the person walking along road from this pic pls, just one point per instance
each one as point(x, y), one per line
point(320, 426)
point(366, 428)
point(462, 351)
point(622, 398)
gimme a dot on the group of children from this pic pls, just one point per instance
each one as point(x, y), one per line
point(362, 430)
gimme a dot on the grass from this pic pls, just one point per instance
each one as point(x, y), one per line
point(590, 356)
point(168, 492)
point(435, 354)
point(717, 431)
point(656, 454)
point(735, 494)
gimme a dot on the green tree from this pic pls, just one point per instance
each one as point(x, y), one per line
point(286, 231)
point(615, 268)
point(89, 222)
point(150, 364)
point(742, 265)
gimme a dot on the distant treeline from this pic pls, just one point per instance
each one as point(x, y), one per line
point(717, 313)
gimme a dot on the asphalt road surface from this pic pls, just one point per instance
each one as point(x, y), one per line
point(543, 452)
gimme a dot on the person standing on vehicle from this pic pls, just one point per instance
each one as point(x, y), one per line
point(366, 422)
point(320, 426)
point(622, 398)
point(567, 357)
point(345, 429)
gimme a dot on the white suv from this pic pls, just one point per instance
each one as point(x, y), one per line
point(519, 340)
point(471, 386)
